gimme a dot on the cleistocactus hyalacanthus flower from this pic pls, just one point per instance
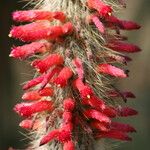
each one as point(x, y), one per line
point(77, 50)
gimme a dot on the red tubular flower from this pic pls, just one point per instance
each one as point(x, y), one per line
point(115, 135)
point(67, 116)
point(84, 90)
point(67, 126)
point(23, 32)
point(34, 15)
point(94, 114)
point(67, 28)
point(51, 60)
point(110, 112)
point(113, 21)
point(126, 94)
point(111, 70)
point(32, 95)
point(63, 77)
point(126, 111)
point(49, 137)
point(36, 95)
point(40, 30)
point(48, 76)
point(43, 79)
point(122, 127)
point(118, 58)
point(99, 126)
point(69, 146)
point(69, 104)
point(27, 109)
point(128, 25)
point(59, 16)
point(33, 82)
point(123, 47)
point(103, 9)
point(94, 102)
point(25, 51)
point(46, 92)
point(30, 124)
point(26, 124)
point(64, 136)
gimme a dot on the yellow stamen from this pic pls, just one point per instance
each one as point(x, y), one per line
point(9, 35)
point(88, 96)
point(109, 13)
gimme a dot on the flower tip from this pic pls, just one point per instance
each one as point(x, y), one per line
point(11, 55)
point(68, 28)
point(69, 104)
point(109, 13)
point(59, 85)
point(10, 35)
point(88, 96)
point(42, 143)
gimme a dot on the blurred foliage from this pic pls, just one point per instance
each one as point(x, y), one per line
point(13, 73)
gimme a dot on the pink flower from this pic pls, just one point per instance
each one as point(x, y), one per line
point(51, 60)
point(67, 28)
point(110, 111)
point(26, 124)
point(128, 25)
point(94, 114)
point(69, 145)
point(123, 47)
point(126, 111)
point(27, 109)
point(84, 90)
point(36, 95)
point(64, 136)
point(63, 77)
point(99, 126)
point(49, 76)
point(98, 23)
point(32, 95)
point(47, 91)
point(103, 9)
point(94, 102)
point(68, 126)
point(33, 82)
point(111, 70)
point(30, 124)
point(33, 15)
point(69, 104)
point(40, 30)
point(67, 116)
point(112, 21)
point(122, 127)
point(25, 51)
point(126, 94)
point(49, 137)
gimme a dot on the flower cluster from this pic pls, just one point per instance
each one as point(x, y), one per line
point(64, 133)
point(69, 62)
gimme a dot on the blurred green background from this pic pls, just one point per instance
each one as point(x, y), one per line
point(13, 73)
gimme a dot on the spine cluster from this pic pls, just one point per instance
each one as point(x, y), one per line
point(71, 101)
